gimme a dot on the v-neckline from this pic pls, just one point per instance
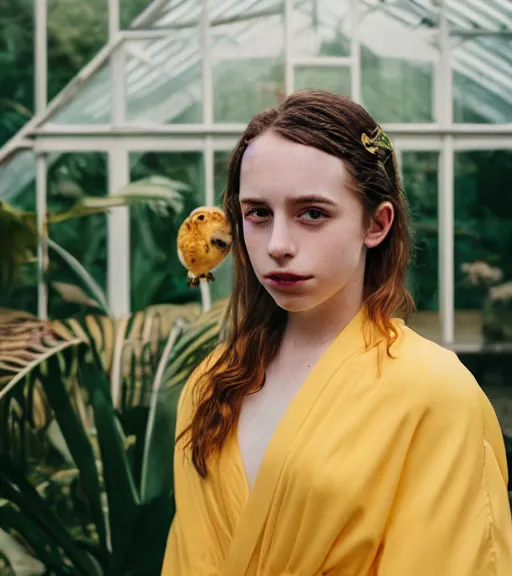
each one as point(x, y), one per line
point(258, 499)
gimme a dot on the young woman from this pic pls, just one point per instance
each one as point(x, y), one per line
point(325, 436)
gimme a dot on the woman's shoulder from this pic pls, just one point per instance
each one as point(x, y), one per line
point(430, 364)
point(445, 397)
point(436, 379)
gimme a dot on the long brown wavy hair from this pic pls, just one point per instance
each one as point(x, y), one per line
point(333, 124)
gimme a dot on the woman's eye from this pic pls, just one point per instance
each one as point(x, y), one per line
point(257, 213)
point(313, 214)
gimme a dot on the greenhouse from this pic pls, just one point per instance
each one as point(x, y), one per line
point(169, 94)
point(130, 96)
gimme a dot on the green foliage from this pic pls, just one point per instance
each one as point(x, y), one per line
point(158, 194)
point(18, 237)
point(103, 503)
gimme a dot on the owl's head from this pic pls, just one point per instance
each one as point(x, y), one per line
point(212, 224)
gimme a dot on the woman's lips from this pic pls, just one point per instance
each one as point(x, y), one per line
point(286, 280)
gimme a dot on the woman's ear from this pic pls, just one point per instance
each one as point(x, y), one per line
point(380, 225)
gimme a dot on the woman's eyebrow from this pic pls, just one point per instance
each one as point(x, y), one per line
point(295, 200)
point(311, 199)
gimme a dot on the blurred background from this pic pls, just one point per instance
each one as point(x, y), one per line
point(117, 118)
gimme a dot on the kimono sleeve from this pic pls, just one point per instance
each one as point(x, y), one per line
point(451, 514)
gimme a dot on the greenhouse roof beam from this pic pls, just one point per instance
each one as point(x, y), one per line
point(463, 32)
point(237, 128)
point(214, 22)
point(485, 10)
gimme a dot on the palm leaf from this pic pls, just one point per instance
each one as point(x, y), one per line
point(147, 462)
point(195, 343)
point(81, 273)
point(24, 346)
point(171, 340)
point(18, 228)
point(139, 337)
point(155, 190)
point(77, 442)
point(74, 294)
point(119, 483)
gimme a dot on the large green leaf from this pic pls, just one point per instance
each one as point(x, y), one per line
point(18, 228)
point(150, 465)
point(193, 346)
point(146, 548)
point(157, 191)
point(11, 519)
point(78, 443)
point(119, 484)
point(138, 523)
point(18, 490)
point(81, 274)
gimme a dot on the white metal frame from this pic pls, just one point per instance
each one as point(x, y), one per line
point(445, 188)
point(40, 97)
point(118, 138)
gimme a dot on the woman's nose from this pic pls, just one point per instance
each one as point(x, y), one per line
point(281, 245)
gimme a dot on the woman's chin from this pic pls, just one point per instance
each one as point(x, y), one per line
point(293, 303)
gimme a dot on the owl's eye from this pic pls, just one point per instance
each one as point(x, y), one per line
point(200, 217)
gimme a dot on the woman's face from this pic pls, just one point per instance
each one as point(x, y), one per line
point(303, 223)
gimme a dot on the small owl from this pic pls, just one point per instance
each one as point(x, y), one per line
point(204, 240)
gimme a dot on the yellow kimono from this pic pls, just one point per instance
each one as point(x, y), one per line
point(397, 471)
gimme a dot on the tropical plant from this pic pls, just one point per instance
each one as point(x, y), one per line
point(19, 234)
point(86, 449)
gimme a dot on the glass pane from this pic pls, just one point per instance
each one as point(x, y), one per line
point(168, 14)
point(17, 172)
point(321, 28)
point(248, 65)
point(91, 104)
point(71, 176)
point(164, 78)
point(492, 15)
point(17, 189)
point(133, 14)
point(242, 88)
point(397, 62)
point(157, 275)
point(420, 179)
point(483, 237)
point(335, 80)
point(397, 90)
point(482, 80)
point(77, 31)
point(223, 284)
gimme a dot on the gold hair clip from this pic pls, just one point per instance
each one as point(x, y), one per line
point(378, 143)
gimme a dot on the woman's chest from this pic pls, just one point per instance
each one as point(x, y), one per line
point(332, 472)
point(262, 413)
